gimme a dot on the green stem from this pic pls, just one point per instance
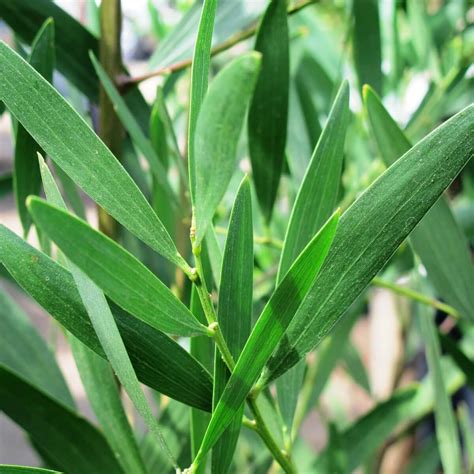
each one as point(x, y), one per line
point(127, 82)
point(414, 295)
point(267, 240)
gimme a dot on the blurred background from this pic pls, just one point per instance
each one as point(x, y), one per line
point(428, 76)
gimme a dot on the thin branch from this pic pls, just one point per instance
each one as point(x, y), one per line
point(125, 82)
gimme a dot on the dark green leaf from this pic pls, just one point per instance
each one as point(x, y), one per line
point(366, 44)
point(372, 229)
point(159, 361)
point(24, 352)
point(234, 312)
point(27, 179)
point(69, 141)
point(118, 273)
point(268, 113)
point(71, 441)
point(268, 331)
point(437, 239)
point(464, 363)
point(215, 145)
point(199, 81)
point(9, 469)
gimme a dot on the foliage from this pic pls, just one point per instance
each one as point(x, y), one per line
point(245, 216)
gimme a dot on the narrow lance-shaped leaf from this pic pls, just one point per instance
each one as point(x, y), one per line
point(121, 276)
point(70, 142)
point(96, 374)
point(215, 145)
point(268, 331)
point(199, 81)
point(27, 179)
point(11, 469)
point(268, 113)
point(445, 423)
point(437, 239)
point(372, 229)
point(159, 361)
point(234, 312)
point(314, 203)
point(367, 44)
point(23, 351)
point(133, 128)
point(60, 432)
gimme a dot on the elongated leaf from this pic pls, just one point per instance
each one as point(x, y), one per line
point(445, 423)
point(314, 203)
point(215, 143)
point(69, 141)
point(133, 128)
point(96, 374)
point(234, 312)
point(366, 43)
point(464, 363)
point(27, 178)
point(122, 277)
point(159, 361)
point(24, 352)
point(73, 43)
point(438, 239)
point(268, 331)
point(355, 367)
point(64, 435)
point(10, 469)
point(199, 81)
point(372, 229)
point(425, 460)
point(467, 430)
point(268, 113)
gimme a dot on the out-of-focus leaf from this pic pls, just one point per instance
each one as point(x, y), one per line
point(314, 203)
point(215, 144)
point(234, 312)
point(445, 422)
point(73, 43)
point(27, 179)
point(425, 460)
point(199, 81)
point(355, 367)
point(159, 361)
point(6, 184)
point(10, 469)
point(420, 31)
point(69, 141)
point(372, 229)
point(122, 277)
point(367, 44)
point(133, 128)
point(437, 239)
point(268, 331)
point(96, 374)
point(464, 363)
point(24, 352)
point(268, 113)
point(467, 430)
point(64, 435)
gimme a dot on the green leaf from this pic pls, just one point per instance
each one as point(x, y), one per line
point(27, 178)
point(160, 362)
point(215, 144)
point(133, 128)
point(118, 273)
point(425, 460)
point(445, 422)
point(438, 239)
point(64, 435)
point(234, 312)
point(464, 363)
point(199, 81)
point(355, 367)
point(73, 43)
point(10, 469)
point(96, 374)
point(467, 430)
point(314, 204)
point(268, 113)
point(372, 229)
point(268, 331)
point(24, 352)
point(366, 43)
point(69, 141)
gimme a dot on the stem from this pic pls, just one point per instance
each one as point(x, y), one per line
point(126, 82)
point(110, 127)
point(414, 295)
point(268, 240)
point(280, 456)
